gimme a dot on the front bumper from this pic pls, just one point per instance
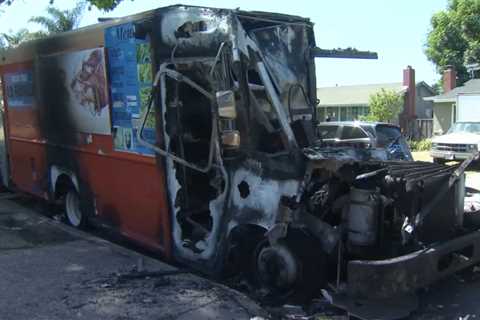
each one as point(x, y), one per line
point(450, 155)
point(383, 279)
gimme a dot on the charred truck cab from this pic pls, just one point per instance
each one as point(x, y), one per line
point(191, 131)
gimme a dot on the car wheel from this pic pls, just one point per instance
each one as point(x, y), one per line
point(73, 212)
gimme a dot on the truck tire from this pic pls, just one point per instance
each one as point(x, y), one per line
point(296, 273)
point(73, 213)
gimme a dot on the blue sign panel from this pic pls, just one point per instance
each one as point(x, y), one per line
point(129, 67)
point(19, 89)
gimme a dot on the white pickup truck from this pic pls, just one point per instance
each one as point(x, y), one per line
point(463, 137)
point(460, 141)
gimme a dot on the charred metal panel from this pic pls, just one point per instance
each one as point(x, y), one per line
point(388, 278)
point(255, 198)
point(191, 31)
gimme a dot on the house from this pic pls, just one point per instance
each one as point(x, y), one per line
point(445, 103)
point(347, 103)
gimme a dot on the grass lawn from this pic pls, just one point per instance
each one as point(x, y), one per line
point(422, 156)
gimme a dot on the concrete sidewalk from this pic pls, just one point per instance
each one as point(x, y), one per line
point(50, 271)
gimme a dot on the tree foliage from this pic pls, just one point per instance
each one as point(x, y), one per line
point(385, 106)
point(14, 39)
point(58, 20)
point(454, 37)
point(106, 5)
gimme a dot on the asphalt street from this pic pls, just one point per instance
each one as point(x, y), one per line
point(49, 271)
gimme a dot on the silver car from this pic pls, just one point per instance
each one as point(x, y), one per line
point(366, 135)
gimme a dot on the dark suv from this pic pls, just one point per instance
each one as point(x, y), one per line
point(365, 135)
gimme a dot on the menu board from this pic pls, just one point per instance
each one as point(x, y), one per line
point(19, 89)
point(130, 71)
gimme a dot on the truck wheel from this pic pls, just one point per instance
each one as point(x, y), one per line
point(277, 268)
point(286, 269)
point(73, 212)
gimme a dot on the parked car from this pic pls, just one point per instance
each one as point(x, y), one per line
point(366, 135)
point(459, 143)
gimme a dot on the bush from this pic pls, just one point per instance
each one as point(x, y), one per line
point(384, 106)
point(421, 145)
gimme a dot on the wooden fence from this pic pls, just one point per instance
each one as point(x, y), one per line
point(424, 129)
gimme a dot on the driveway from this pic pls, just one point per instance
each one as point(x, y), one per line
point(473, 176)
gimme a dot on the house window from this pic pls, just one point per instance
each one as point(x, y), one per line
point(454, 113)
point(332, 113)
point(349, 113)
point(364, 111)
point(321, 114)
point(343, 114)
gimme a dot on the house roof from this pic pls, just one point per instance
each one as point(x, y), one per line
point(354, 95)
point(471, 86)
point(427, 86)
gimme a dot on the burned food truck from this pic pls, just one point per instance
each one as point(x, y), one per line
point(192, 131)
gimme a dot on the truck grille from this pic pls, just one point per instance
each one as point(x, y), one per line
point(452, 147)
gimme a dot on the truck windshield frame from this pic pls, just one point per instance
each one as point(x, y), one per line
point(470, 127)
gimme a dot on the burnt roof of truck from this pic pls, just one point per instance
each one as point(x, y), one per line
point(92, 35)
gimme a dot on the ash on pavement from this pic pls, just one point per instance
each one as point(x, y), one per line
point(49, 271)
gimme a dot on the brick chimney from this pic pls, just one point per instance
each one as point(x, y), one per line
point(449, 79)
point(409, 82)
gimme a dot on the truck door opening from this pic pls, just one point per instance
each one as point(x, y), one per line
point(190, 126)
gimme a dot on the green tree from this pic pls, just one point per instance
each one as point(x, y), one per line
point(56, 21)
point(60, 20)
point(453, 38)
point(384, 106)
point(14, 39)
point(106, 5)
point(3, 44)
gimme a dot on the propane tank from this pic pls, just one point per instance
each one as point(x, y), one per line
point(362, 217)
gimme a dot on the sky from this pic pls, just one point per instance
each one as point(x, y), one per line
point(396, 29)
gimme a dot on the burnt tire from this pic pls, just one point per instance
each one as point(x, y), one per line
point(74, 214)
point(306, 273)
point(277, 267)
